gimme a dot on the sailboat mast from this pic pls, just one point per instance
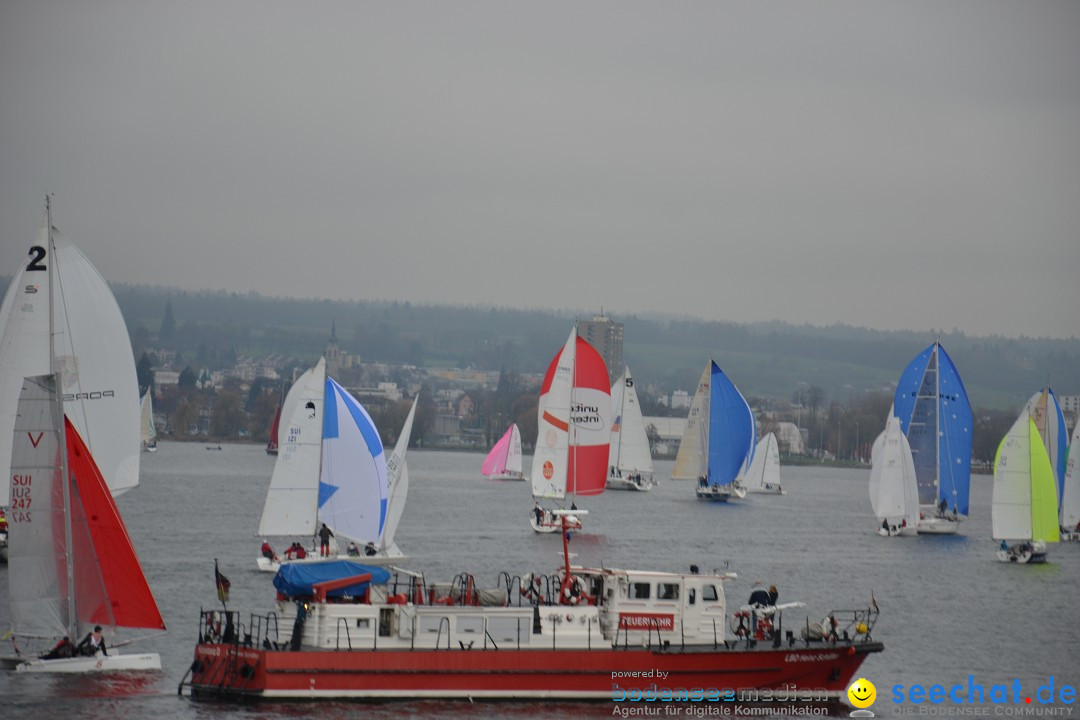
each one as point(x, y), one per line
point(573, 425)
point(65, 478)
point(622, 421)
point(937, 415)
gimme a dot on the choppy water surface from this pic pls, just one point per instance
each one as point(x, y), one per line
point(948, 610)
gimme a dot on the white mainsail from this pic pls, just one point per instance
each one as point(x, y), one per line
point(692, 460)
point(764, 471)
point(629, 439)
point(294, 486)
point(146, 422)
point(894, 492)
point(1070, 498)
point(397, 470)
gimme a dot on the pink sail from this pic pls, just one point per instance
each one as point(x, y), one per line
point(495, 462)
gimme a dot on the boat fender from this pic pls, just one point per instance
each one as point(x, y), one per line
point(569, 617)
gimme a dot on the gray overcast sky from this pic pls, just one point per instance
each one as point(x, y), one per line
point(898, 165)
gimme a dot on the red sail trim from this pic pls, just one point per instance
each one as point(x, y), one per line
point(565, 427)
point(109, 560)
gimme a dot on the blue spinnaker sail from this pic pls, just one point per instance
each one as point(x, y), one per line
point(353, 485)
point(935, 415)
point(732, 433)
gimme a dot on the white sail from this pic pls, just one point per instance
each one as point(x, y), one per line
point(513, 453)
point(550, 458)
point(764, 471)
point(397, 471)
point(894, 492)
point(39, 599)
point(1010, 512)
point(629, 439)
point(692, 460)
point(294, 486)
point(58, 291)
point(24, 342)
point(146, 423)
point(1070, 499)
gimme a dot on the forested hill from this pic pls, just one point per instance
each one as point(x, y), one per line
point(767, 360)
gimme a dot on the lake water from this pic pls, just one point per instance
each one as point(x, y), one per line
point(948, 609)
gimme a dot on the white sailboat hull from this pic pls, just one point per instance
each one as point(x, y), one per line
point(508, 476)
point(939, 525)
point(716, 493)
point(97, 663)
point(768, 490)
point(639, 484)
point(1024, 553)
point(267, 565)
point(552, 523)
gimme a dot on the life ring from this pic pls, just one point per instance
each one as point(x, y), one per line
point(573, 591)
point(531, 586)
point(740, 623)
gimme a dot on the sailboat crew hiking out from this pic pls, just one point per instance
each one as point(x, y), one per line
point(356, 631)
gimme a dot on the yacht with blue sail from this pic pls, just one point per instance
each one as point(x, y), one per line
point(730, 438)
point(935, 416)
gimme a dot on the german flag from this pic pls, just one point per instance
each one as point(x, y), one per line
point(222, 583)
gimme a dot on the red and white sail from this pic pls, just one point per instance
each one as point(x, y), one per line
point(574, 424)
point(69, 549)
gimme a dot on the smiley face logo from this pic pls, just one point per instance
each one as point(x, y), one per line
point(862, 693)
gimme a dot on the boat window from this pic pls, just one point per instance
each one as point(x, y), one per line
point(512, 630)
point(692, 596)
point(363, 623)
point(708, 593)
point(667, 591)
point(639, 591)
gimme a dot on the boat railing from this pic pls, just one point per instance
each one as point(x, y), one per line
point(652, 623)
point(344, 623)
point(444, 620)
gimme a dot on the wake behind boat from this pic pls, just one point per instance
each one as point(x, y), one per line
point(580, 633)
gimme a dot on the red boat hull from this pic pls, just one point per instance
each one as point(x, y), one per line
point(229, 670)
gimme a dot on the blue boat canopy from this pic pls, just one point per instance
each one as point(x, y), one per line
point(296, 580)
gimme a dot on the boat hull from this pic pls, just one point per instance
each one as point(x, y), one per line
point(1024, 554)
point(938, 526)
point(507, 476)
point(507, 674)
point(622, 483)
point(98, 663)
point(716, 493)
point(265, 564)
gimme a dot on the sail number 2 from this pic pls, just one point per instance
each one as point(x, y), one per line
point(37, 255)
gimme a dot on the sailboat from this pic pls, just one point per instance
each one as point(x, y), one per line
point(72, 564)
point(573, 432)
point(59, 316)
point(894, 494)
point(504, 460)
point(691, 462)
point(1070, 496)
point(146, 421)
point(60, 321)
point(1050, 422)
point(275, 426)
point(764, 473)
point(630, 461)
point(730, 439)
point(935, 415)
point(331, 469)
point(1024, 506)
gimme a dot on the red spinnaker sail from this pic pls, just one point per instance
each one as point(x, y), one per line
point(590, 424)
point(110, 587)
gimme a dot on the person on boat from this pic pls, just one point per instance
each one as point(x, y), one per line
point(62, 649)
point(885, 524)
point(325, 534)
point(93, 643)
point(941, 507)
point(301, 553)
point(773, 595)
point(268, 551)
point(758, 594)
point(370, 549)
point(539, 512)
point(703, 481)
point(352, 550)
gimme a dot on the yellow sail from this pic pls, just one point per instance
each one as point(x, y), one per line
point(1044, 509)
